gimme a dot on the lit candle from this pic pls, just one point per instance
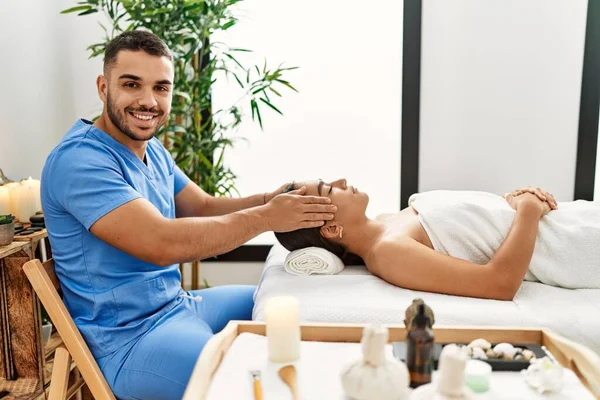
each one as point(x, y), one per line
point(11, 196)
point(25, 201)
point(35, 184)
point(283, 329)
point(4, 200)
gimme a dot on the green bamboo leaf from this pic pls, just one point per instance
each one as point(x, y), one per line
point(234, 60)
point(258, 116)
point(205, 160)
point(253, 106)
point(229, 25)
point(237, 79)
point(88, 12)
point(96, 53)
point(275, 91)
point(157, 11)
point(240, 50)
point(286, 83)
point(76, 9)
point(193, 7)
point(271, 105)
point(182, 94)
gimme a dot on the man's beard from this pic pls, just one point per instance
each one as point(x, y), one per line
point(118, 119)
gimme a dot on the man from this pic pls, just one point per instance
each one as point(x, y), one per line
point(121, 216)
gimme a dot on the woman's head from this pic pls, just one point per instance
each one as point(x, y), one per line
point(351, 205)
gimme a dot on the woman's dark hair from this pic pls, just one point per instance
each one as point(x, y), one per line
point(135, 41)
point(311, 237)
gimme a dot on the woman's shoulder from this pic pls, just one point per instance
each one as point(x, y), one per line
point(384, 217)
point(387, 249)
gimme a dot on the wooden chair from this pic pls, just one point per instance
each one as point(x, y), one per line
point(47, 287)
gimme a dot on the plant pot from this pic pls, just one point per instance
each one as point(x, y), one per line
point(46, 332)
point(7, 233)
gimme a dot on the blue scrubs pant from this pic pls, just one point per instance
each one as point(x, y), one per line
point(159, 364)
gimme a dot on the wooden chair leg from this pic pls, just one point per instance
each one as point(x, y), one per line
point(195, 275)
point(181, 271)
point(79, 393)
point(60, 374)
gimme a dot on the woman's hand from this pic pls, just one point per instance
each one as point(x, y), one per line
point(541, 194)
point(528, 199)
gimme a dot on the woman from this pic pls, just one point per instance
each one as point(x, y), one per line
point(471, 244)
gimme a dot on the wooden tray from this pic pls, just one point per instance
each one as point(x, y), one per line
point(580, 359)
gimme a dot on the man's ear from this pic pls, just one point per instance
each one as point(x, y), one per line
point(331, 230)
point(102, 86)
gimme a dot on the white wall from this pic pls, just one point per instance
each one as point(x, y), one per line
point(500, 94)
point(47, 80)
point(345, 120)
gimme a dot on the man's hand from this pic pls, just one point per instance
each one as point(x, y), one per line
point(528, 200)
point(291, 211)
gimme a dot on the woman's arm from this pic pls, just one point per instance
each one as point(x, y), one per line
point(409, 264)
point(511, 261)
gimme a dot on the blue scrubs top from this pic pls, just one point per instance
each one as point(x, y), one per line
point(113, 297)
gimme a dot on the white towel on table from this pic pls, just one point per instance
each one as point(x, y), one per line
point(473, 225)
point(313, 261)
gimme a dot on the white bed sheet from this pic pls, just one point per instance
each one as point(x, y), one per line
point(356, 296)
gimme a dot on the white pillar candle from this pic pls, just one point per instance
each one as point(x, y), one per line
point(24, 199)
point(452, 371)
point(283, 329)
point(36, 185)
point(4, 200)
point(11, 195)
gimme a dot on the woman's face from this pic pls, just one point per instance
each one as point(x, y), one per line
point(351, 202)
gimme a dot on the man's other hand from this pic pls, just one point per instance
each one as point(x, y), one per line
point(291, 211)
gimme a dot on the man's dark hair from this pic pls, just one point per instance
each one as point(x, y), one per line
point(311, 237)
point(135, 41)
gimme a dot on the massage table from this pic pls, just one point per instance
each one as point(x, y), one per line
point(356, 296)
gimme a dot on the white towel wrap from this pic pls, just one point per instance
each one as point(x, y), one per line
point(473, 225)
point(313, 261)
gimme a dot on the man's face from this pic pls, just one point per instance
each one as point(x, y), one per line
point(138, 93)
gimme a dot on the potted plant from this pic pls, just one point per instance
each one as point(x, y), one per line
point(196, 134)
point(7, 229)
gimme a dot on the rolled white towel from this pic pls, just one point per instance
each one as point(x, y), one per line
point(313, 261)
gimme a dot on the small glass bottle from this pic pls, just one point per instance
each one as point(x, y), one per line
point(419, 343)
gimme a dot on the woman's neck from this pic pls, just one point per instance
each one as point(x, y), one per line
point(360, 238)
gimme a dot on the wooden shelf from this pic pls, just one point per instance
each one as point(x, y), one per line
point(35, 236)
point(12, 248)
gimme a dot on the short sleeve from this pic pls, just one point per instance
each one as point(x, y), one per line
point(181, 179)
point(87, 181)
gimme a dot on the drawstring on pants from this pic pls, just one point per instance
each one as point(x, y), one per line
point(195, 298)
